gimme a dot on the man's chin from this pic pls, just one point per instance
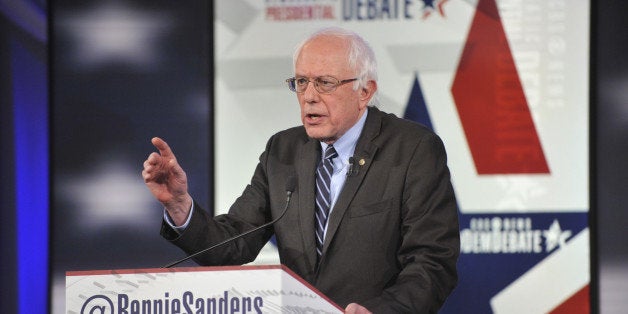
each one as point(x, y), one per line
point(320, 136)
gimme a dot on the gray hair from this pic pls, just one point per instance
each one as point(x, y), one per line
point(361, 57)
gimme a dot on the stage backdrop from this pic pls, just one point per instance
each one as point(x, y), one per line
point(504, 83)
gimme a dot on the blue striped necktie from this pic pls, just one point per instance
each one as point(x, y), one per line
point(323, 196)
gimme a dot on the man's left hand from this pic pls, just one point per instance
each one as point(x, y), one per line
point(355, 308)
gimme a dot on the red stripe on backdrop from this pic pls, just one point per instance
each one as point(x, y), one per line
point(577, 303)
point(491, 104)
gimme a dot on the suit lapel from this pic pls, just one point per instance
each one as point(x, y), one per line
point(306, 167)
point(364, 153)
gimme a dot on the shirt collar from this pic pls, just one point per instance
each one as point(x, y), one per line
point(345, 145)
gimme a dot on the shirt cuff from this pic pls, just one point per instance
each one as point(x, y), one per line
point(181, 228)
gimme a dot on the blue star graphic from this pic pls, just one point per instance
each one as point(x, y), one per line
point(428, 4)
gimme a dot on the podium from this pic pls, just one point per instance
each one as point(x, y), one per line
point(225, 289)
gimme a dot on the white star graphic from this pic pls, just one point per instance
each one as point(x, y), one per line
point(555, 236)
point(517, 192)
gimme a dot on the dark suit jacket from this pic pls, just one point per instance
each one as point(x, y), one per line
point(393, 238)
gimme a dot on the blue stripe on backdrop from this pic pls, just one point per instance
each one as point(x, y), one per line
point(30, 102)
point(416, 109)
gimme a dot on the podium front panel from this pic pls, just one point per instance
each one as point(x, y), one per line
point(242, 289)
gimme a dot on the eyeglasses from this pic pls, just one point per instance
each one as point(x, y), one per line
point(323, 84)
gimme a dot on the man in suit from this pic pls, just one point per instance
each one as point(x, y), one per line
point(372, 222)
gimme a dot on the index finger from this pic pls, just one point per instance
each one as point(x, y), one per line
point(162, 146)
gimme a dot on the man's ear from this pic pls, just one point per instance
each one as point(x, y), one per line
point(367, 92)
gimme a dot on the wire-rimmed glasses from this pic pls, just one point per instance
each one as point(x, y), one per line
point(323, 84)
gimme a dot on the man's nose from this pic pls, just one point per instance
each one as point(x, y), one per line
point(310, 93)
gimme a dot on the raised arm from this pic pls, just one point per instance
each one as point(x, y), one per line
point(165, 178)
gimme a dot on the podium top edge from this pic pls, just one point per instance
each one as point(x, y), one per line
point(174, 269)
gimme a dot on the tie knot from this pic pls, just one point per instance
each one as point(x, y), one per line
point(330, 152)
